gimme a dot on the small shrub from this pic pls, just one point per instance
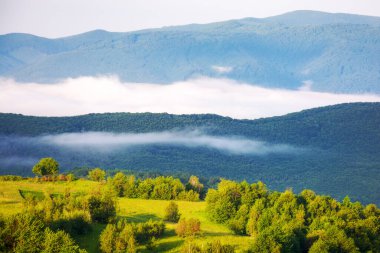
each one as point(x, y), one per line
point(70, 177)
point(190, 227)
point(171, 212)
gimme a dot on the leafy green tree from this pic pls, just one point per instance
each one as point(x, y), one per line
point(171, 212)
point(145, 188)
point(118, 183)
point(97, 174)
point(46, 167)
point(129, 188)
point(219, 206)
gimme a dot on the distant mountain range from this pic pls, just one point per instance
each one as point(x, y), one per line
point(333, 150)
point(330, 52)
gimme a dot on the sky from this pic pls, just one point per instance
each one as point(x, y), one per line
point(58, 18)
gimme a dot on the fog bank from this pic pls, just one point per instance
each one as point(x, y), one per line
point(204, 95)
point(109, 142)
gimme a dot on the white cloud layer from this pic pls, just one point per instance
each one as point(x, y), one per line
point(107, 94)
point(108, 142)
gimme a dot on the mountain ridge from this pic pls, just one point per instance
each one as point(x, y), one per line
point(336, 57)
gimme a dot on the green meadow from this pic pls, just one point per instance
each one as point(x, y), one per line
point(134, 210)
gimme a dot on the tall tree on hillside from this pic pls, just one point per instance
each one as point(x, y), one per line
point(46, 167)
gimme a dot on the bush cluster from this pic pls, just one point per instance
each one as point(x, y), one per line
point(10, 178)
point(210, 247)
point(166, 188)
point(124, 237)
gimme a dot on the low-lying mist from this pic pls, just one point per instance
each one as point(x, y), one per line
point(108, 142)
point(204, 95)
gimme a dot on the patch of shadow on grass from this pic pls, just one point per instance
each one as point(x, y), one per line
point(141, 217)
point(206, 233)
point(9, 202)
point(169, 233)
point(167, 246)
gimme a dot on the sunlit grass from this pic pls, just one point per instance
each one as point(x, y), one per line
point(135, 210)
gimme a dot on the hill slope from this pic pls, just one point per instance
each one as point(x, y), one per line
point(340, 143)
point(336, 52)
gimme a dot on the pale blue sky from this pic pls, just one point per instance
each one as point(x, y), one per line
point(57, 18)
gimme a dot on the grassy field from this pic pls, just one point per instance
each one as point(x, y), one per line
point(135, 210)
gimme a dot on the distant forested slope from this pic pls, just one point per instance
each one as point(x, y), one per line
point(339, 147)
point(352, 126)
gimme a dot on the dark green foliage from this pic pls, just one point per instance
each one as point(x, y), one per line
point(171, 212)
point(46, 166)
point(287, 222)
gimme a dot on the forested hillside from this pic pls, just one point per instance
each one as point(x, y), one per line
point(301, 150)
point(353, 127)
